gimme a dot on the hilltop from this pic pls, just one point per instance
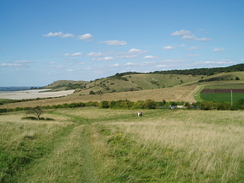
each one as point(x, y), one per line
point(134, 81)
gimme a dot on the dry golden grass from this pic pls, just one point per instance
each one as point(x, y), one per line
point(207, 149)
point(117, 146)
point(180, 93)
point(16, 117)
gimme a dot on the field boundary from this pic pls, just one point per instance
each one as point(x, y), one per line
point(197, 95)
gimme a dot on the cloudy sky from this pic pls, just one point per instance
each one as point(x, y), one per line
point(42, 41)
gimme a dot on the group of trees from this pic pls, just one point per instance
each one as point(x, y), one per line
point(126, 104)
point(204, 71)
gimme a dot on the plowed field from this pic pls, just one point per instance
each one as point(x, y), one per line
point(222, 91)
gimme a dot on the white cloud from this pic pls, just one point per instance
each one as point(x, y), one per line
point(219, 49)
point(16, 63)
point(137, 51)
point(104, 58)
point(73, 54)
point(53, 63)
point(94, 54)
point(161, 65)
point(76, 54)
point(194, 38)
point(115, 42)
point(242, 60)
point(221, 61)
point(150, 57)
point(58, 34)
point(130, 63)
point(22, 61)
point(10, 65)
point(115, 65)
point(181, 32)
point(126, 56)
point(187, 35)
point(203, 39)
point(86, 37)
point(168, 47)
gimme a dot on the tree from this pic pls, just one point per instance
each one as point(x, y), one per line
point(36, 111)
point(92, 92)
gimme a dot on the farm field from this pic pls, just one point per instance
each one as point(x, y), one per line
point(221, 92)
point(180, 93)
point(105, 145)
point(222, 97)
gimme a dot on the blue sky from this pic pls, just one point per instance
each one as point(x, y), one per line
point(42, 41)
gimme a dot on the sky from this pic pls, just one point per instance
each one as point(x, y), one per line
point(42, 41)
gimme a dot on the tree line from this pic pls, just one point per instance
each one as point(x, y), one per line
point(141, 104)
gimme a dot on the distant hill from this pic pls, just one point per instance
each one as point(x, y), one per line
point(66, 85)
point(17, 88)
point(134, 81)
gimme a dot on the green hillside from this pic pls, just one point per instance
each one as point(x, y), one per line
point(132, 81)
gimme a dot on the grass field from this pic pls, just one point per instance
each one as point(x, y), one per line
point(222, 97)
point(180, 93)
point(104, 145)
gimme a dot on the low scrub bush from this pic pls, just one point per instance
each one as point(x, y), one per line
point(35, 118)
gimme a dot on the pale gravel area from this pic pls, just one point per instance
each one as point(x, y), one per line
point(32, 94)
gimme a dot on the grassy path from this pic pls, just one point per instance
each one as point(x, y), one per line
point(88, 173)
point(70, 161)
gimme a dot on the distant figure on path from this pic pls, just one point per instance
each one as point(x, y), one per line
point(139, 114)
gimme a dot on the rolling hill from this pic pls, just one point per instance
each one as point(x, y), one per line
point(158, 86)
point(133, 81)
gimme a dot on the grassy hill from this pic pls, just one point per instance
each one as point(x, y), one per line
point(141, 86)
point(133, 81)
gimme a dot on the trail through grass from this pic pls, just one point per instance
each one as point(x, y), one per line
point(104, 145)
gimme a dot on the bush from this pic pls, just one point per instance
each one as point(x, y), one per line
point(150, 104)
point(104, 104)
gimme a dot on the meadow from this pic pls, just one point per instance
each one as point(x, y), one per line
point(222, 97)
point(104, 145)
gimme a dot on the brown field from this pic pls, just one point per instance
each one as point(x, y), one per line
point(222, 91)
point(180, 93)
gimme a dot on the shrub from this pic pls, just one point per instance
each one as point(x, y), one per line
point(150, 104)
point(104, 104)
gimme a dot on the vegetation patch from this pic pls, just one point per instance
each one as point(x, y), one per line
point(222, 97)
point(117, 146)
point(35, 118)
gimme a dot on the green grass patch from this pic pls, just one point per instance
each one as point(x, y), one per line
point(222, 97)
point(197, 95)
